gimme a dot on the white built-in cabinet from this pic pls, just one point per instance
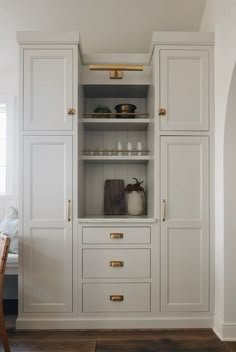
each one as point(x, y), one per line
point(96, 271)
point(48, 104)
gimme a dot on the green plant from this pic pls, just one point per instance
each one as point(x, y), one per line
point(102, 109)
point(131, 187)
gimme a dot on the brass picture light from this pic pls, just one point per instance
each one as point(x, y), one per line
point(116, 71)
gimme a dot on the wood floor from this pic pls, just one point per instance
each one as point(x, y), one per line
point(115, 341)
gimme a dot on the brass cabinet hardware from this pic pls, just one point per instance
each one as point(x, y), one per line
point(116, 70)
point(116, 67)
point(162, 112)
point(116, 235)
point(164, 209)
point(116, 263)
point(68, 210)
point(71, 111)
point(116, 298)
point(116, 74)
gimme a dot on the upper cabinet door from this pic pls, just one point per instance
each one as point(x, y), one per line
point(184, 90)
point(48, 89)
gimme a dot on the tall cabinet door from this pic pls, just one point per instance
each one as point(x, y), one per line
point(184, 224)
point(48, 89)
point(47, 224)
point(184, 89)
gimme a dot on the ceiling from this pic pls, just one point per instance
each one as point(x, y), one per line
point(106, 25)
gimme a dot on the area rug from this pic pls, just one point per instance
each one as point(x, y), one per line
point(162, 345)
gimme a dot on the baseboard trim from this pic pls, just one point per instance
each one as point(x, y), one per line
point(225, 331)
point(128, 323)
point(218, 327)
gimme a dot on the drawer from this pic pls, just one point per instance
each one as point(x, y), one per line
point(116, 235)
point(103, 298)
point(116, 263)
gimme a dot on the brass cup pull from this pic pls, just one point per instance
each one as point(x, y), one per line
point(162, 112)
point(116, 298)
point(71, 111)
point(68, 210)
point(116, 235)
point(164, 210)
point(116, 263)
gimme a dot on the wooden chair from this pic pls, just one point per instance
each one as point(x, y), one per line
point(4, 246)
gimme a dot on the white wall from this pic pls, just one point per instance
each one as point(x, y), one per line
point(230, 203)
point(220, 17)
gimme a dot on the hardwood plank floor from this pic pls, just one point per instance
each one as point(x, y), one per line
point(194, 340)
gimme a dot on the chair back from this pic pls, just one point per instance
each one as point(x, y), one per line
point(4, 246)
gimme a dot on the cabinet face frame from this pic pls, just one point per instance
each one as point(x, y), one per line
point(189, 227)
point(177, 116)
point(55, 117)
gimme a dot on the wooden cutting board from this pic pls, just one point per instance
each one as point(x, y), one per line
point(114, 197)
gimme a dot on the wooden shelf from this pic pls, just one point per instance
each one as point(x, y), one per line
point(113, 218)
point(114, 158)
point(109, 124)
point(110, 115)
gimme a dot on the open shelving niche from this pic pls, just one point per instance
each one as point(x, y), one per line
point(101, 134)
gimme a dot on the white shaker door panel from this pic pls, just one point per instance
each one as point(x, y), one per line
point(48, 89)
point(47, 226)
point(184, 224)
point(184, 89)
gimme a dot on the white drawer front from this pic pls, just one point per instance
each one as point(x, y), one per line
point(103, 298)
point(116, 263)
point(116, 235)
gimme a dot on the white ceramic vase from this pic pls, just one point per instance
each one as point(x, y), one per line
point(135, 203)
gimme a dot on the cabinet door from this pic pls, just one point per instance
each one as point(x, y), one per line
point(184, 224)
point(48, 89)
point(47, 227)
point(184, 89)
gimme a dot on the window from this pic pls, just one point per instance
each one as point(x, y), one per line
point(7, 146)
point(3, 141)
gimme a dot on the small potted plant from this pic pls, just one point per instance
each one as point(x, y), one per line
point(102, 111)
point(135, 198)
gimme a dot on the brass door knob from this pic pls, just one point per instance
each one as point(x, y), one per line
point(162, 112)
point(71, 111)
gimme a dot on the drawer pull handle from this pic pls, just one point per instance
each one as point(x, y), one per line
point(116, 298)
point(68, 210)
point(116, 263)
point(116, 235)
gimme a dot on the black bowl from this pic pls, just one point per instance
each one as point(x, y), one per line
point(124, 109)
